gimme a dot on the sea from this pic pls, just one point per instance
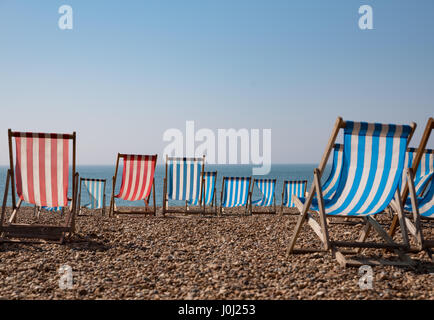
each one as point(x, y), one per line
point(280, 172)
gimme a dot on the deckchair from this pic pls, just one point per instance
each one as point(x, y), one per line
point(61, 210)
point(267, 200)
point(49, 209)
point(52, 209)
point(331, 184)
point(236, 193)
point(292, 188)
point(209, 199)
point(374, 156)
point(184, 182)
point(40, 177)
point(96, 191)
point(37, 210)
point(424, 172)
point(137, 183)
point(421, 208)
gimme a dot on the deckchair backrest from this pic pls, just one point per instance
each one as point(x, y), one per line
point(236, 191)
point(184, 178)
point(424, 171)
point(267, 188)
point(137, 176)
point(95, 189)
point(331, 184)
point(374, 157)
point(426, 204)
point(42, 167)
point(293, 187)
point(210, 181)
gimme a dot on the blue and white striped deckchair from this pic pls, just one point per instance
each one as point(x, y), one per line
point(425, 170)
point(210, 179)
point(52, 209)
point(96, 191)
point(38, 209)
point(374, 156)
point(331, 184)
point(183, 182)
point(292, 188)
point(235, 193)
point(425, 204)
point(421, 207)
point(267, 188)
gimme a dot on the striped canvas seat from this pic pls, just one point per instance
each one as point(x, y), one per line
point(331, 184)
point(425, 203)
point(137, 177)
point(42, 164)
point(374, 156)
point(95, 189)
point(290, 188)
point(40, 176)
point(210, 182)
point(266, 187)
point(236, 192)
point(425, 170)
point(184, 178)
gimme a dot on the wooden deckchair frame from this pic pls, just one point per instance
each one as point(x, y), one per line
point(282, 207)
point(321, 229)
point(248, 206)
point(79, 194)
point(113, 211)
point(414, 226)
point(214, 198)
point(262, 208)
point(21, 232)
point(202, 206)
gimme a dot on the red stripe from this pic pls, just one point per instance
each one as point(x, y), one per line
point(65, 171)
point(149, 177)
point(130, 163)
point(42, 172)
point(140, 192)
point(29, 154)
point(137, 164)
point(19, 181)
point(124, 172)
point(53, 181)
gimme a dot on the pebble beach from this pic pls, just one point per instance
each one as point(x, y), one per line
point(194, 257)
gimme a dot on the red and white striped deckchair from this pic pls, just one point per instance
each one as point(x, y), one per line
point(40, 177)
point(137, 182)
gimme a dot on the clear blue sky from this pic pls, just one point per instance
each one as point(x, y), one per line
point(129, 70)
